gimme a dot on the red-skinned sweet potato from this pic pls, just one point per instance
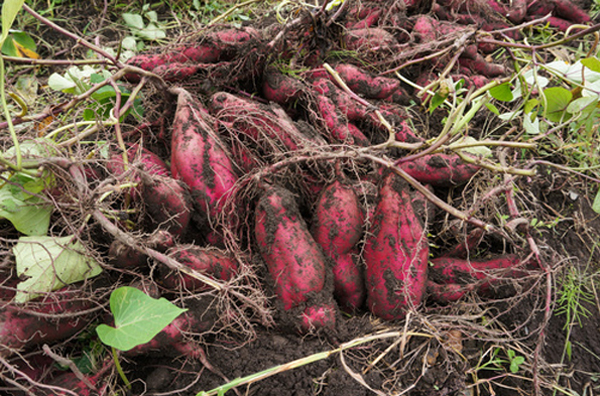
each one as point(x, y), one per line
point(138, 156)
point(70, 382)
point(212, 262)
point(321, 316)
point(21, 326)
point(296, 263)
point(337, 226)
point(396, 253)
point(338, 219)
point(199, 158)
point(364, 84)
point(168, 203)
point(451, 270)
point(370, 39)
point(480, 66)
point(280, 88)
point(440, 170)
point(349, 281)
point(259, 122)
point(333, 119)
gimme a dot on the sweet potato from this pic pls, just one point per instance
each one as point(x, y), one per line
point(216, 46)
point(480, 66)
point(348, 281)
point(449, 270)
point(21, 327)
point(296, 263)
point(167, 202)
point(447, 293)
point(259, 122)
point(126, 257)
point(349, 107)
point(212, 262)
point(396, 253)
point(338, 219)
point(280, 88)
point(199, 158)
point(365, 84)
point(146, 160)
point(335, 122)
point(440, 170)
point(338, 226)
point(70, 382)
point(370, 39)
point(322, 316)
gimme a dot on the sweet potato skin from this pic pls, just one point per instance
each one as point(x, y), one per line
point(337, 226)
point(199, 158)
point(20, 327)
point(447, 270)
point(318, 317)
point(212, 262)
point(338, 218)
point(396, 253)
point(168, 203)
point(295, 261)
point(440, 170)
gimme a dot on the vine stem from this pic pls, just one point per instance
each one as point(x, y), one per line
point(119, 368)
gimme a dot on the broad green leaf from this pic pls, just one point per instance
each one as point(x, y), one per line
point(21, 45)
point(138, 318)
point(152, 16)
point(592, 63)
point(133, 20)
point(492, 108)
point(579, 104)
point(152, 32)
point(129, 43)
point(558, 100)
point(530, 105)
point(10, 9)
point(30, 217)
point(502, 92)
point(50, 263)
point(596, 204)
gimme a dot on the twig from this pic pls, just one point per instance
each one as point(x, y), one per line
point(69, 363)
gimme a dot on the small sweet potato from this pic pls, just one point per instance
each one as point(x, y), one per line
point(370, 39)
point(449, 270)
point(322, 316)
point(167, 202)
point(365, 84)
point(296, 262)
point(480, 66)
point(440, 170)
point(280, 88)
point(212, 262)
point(396, 253)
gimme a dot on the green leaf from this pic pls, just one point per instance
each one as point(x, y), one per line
point(152, 32)
point(492, 108)
point(436, 101)
point(50, 263)
point(596, 204)
point(530, 105)
point(558, 100)
point(481, 150)
point(133, 20)
point(9, 49)
point(24, 40)
point(592, 63)
point(138, 318)
point(580, 104)
point(502, 92)
point(10, 9)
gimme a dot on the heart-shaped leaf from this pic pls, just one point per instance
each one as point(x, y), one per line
point(138, 318)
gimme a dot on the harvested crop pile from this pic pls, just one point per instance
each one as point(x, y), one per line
point(339, 181)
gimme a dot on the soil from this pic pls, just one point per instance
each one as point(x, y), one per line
point(518, 338)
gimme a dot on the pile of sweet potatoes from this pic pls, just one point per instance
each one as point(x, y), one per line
point(282, 168)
